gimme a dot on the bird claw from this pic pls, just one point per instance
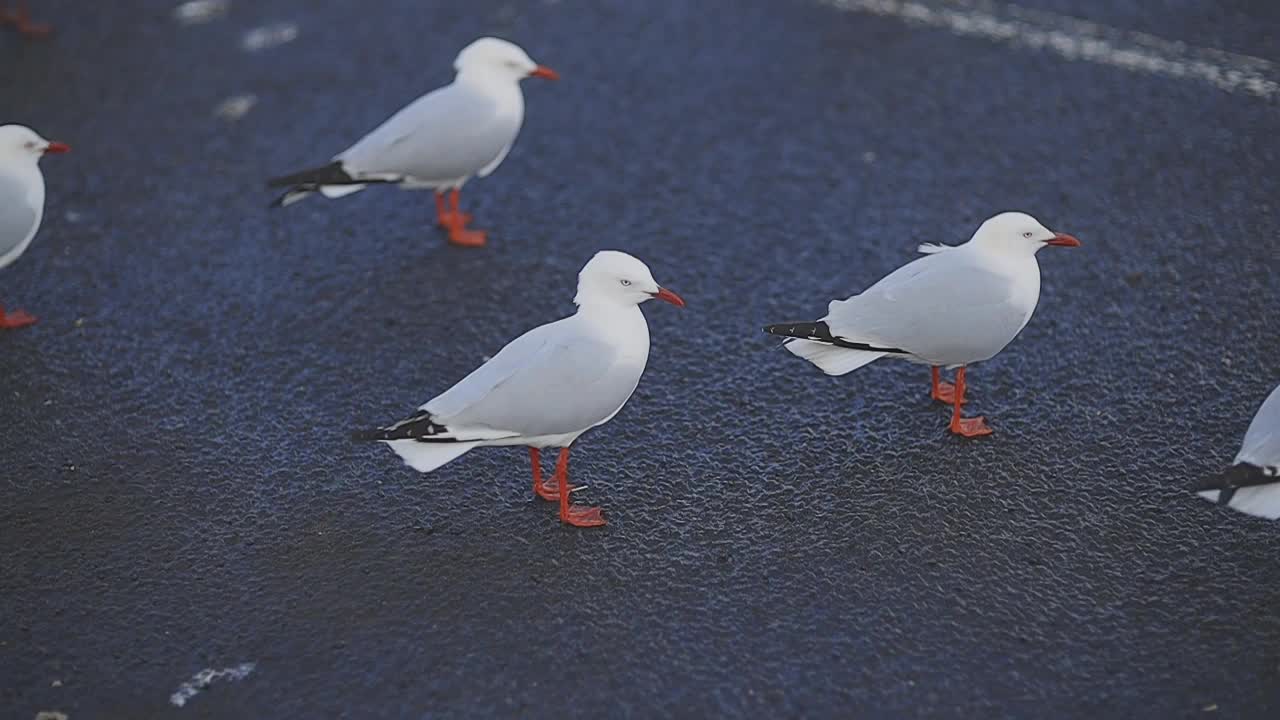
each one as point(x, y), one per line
point(16, 319)
point(946, 393)
point(582, 516)
point(466, 238)
point(24, 26)
point(551, 491)
point(970, 427)
point(451, 219)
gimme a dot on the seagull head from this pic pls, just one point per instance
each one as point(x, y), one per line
point(18, 142)
point(493, 57)
point(620, 279)
point(1018, 233)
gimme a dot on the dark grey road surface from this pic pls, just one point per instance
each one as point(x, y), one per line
point(177, 491)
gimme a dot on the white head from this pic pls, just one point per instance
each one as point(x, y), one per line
point(19, 143)
point(492, 57)
point(617, 278)
point(1018, 233)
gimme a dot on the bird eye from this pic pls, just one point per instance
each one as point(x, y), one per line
point(626, 283)
point(1027, 234)
point(30, 145)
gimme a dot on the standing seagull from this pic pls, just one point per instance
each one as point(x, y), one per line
point(439, 141)
point(21, 199)
point(957, 306)
point(1252, 483)
point(547, 386)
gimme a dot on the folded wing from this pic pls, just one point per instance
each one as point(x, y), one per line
point(549, 381)
point(930, 306)
point(447, 134)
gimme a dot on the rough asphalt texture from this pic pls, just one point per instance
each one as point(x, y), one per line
point(178, 493)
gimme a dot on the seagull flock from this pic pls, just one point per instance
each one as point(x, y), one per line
point(956, 306)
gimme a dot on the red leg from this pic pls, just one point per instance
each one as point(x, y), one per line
point(441, 211)
point(15, 319)
point(455, 222)
point(944, 392)
point(549, 491)
point(576, 515)
point(21, 20)
point(455, 199)
point(965, 427)
point(447, 218)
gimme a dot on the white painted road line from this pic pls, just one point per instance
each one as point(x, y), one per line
point(205, 678)
point(1076, 39)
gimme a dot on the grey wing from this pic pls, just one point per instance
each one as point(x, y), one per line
point(569, 384)
point(18, 217)
point(446, 134)
point(929, 303)
point(487, 169)
point(496, 370)
point(1261, 445)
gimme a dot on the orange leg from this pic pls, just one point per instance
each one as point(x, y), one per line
point(944, 392)
point(549, 491)
point(455, 221)
point(576, 515)
point(446, 217)
point(15, 319)
point(965, 427)
point(20, 18)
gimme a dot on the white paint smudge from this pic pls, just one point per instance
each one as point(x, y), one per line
point(1076, 39)
point(235, 107)
point(269, 36)
point(205, 678)
point(198, 12)
point(51, 715)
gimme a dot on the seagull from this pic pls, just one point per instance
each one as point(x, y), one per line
point(956, 306)
point(438, 142)
point(20, 18)
point(21, 199)
point(547, 386)
point(1252, 483)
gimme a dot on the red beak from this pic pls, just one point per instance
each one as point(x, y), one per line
point(544, 72)
point(1063, 240)
point(665, 294)
point(57, 148)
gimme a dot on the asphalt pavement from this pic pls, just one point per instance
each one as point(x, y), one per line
point(178, 493)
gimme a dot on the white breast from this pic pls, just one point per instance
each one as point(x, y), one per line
point(21, 210)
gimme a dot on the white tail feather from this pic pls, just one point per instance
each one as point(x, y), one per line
point(427, 456)
point(337, 191)
point(293, 196)
point(1262, 501)
point(830, 359)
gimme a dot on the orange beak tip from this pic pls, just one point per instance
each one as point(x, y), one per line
point(1063, 240)
point(668, 296)
point(544, 72)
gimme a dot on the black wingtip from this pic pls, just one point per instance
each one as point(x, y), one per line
point(820, 332)
point(803, 330)
point(331, 174)
point(1236, 477)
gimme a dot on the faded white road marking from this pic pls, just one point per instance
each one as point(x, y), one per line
point(205, 678)
point(200, 11)
point(1076, 39)
point(269, 36)
point(235, 107)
